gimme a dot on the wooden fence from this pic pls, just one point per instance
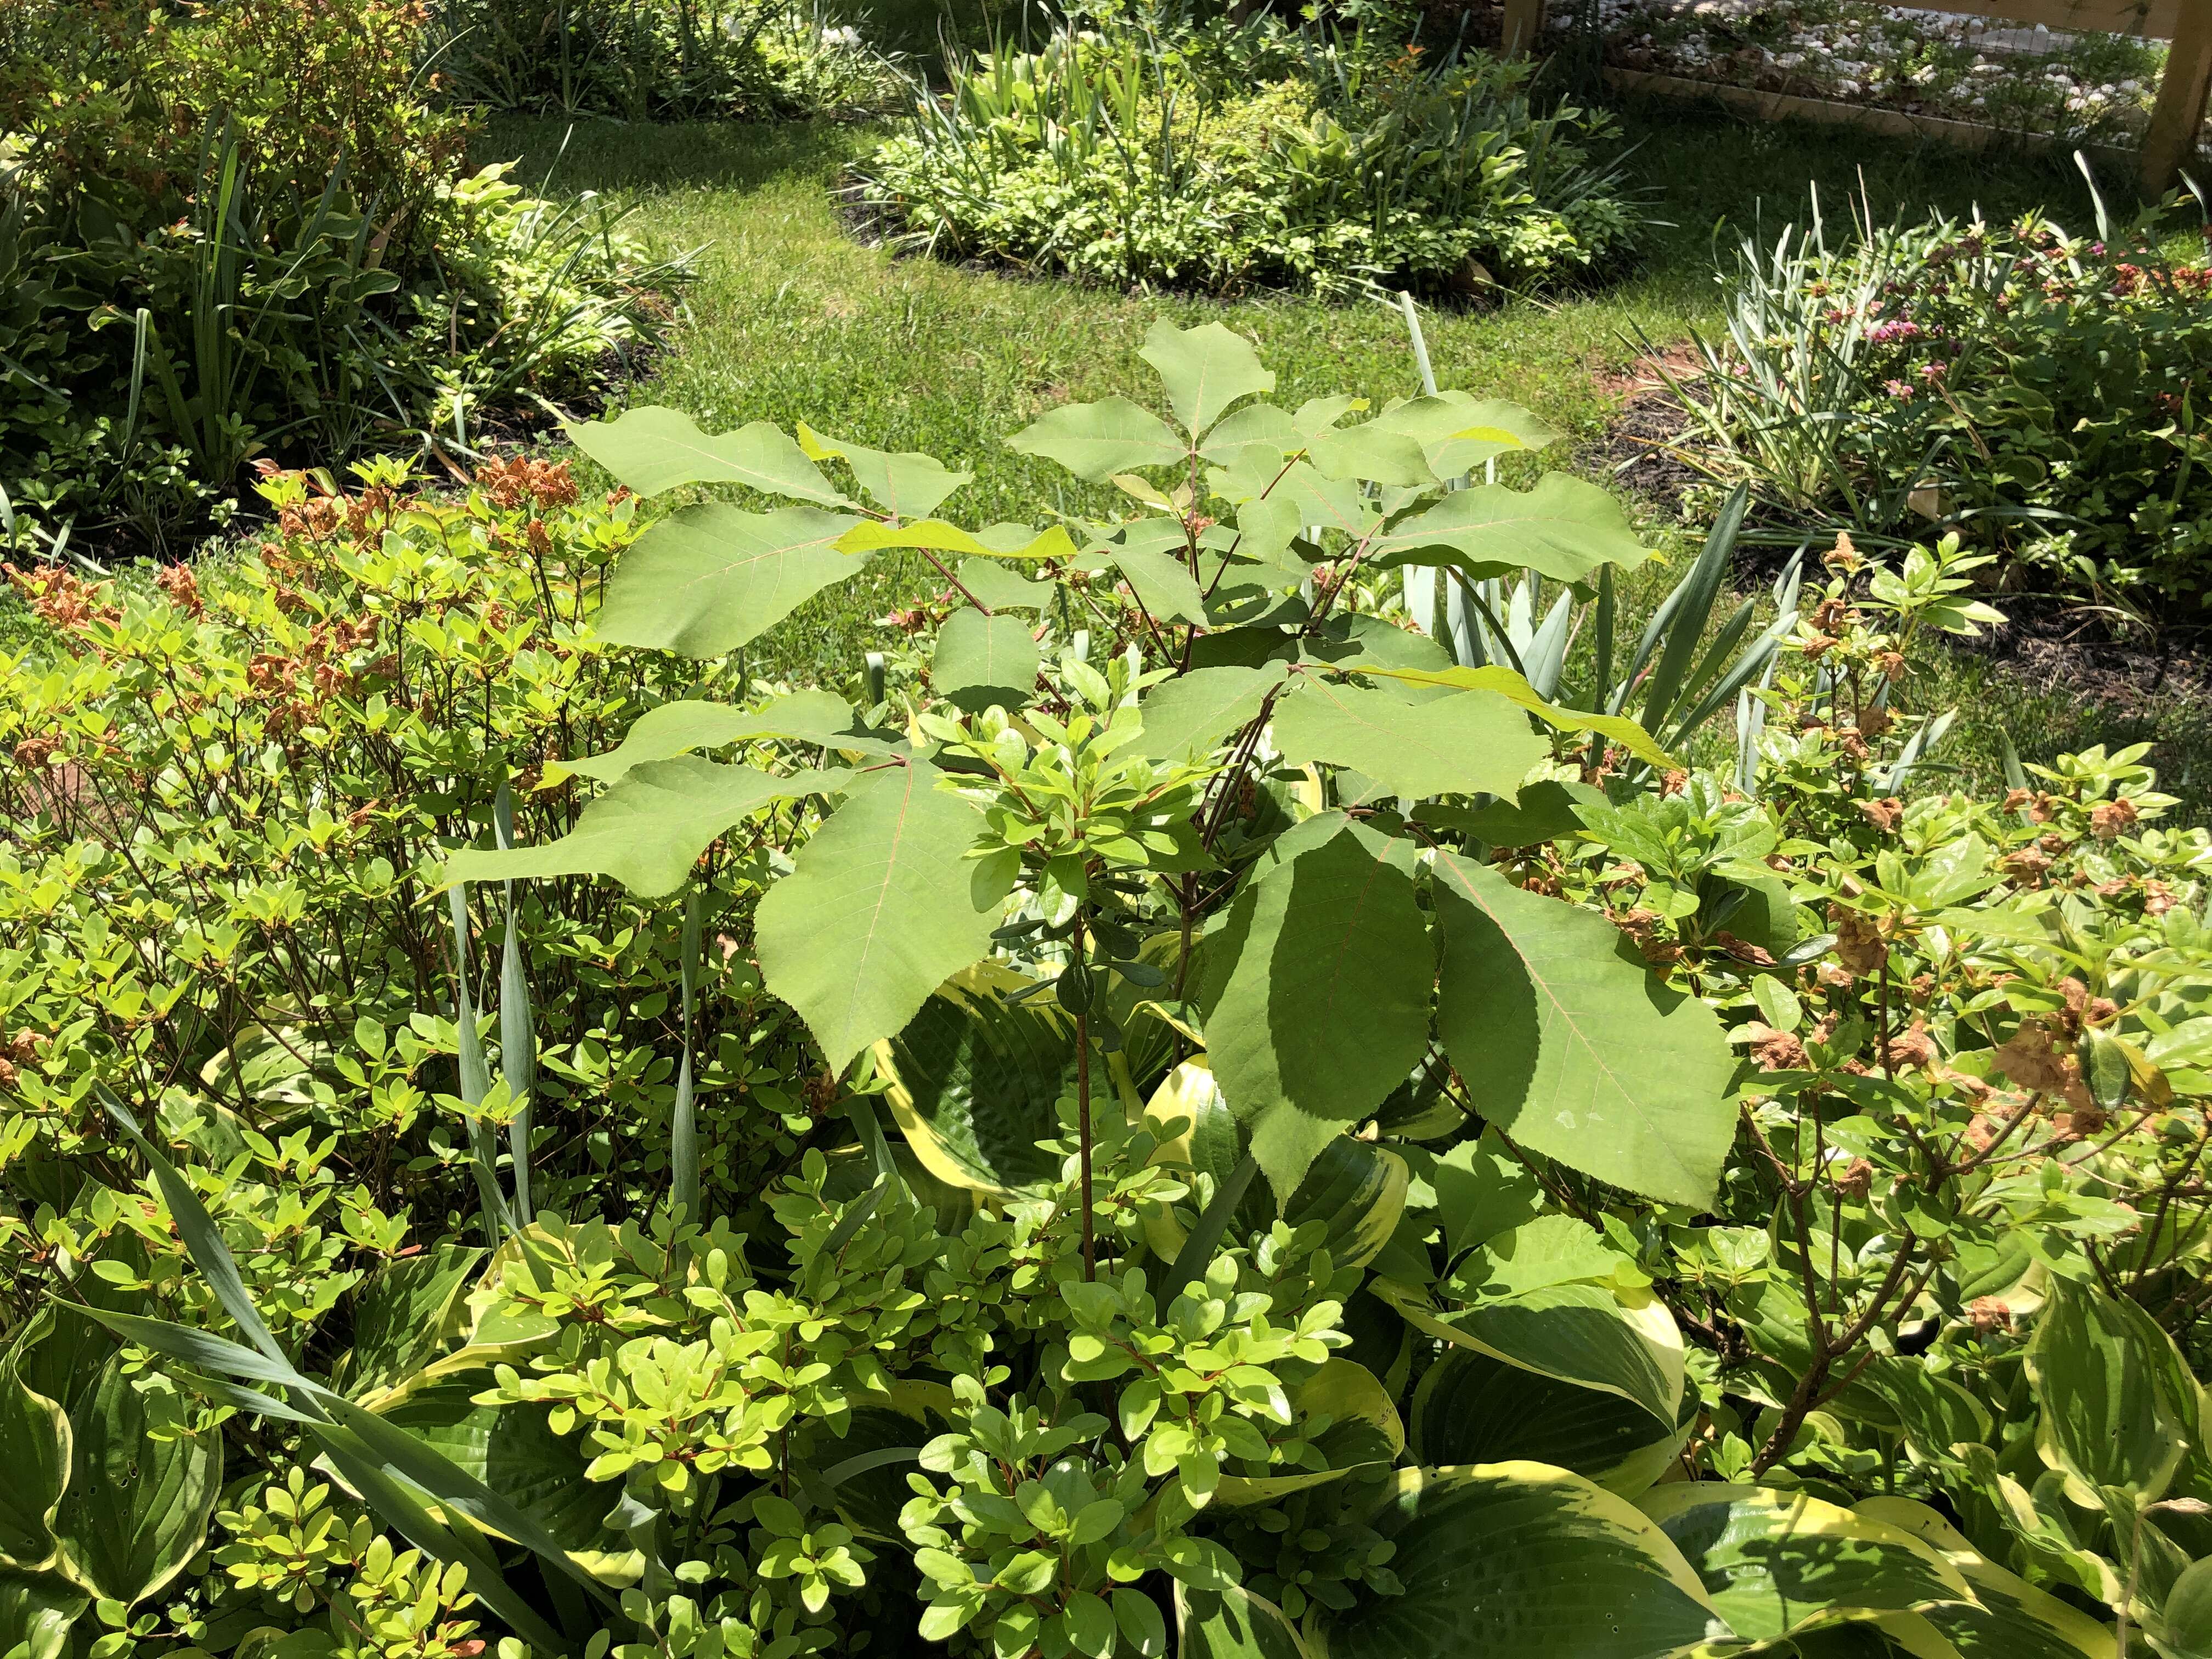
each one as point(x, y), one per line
point(2168, 141)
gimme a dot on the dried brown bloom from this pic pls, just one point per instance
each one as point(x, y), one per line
point(1818, 645)
point(33, 753)
point(1743, 949)
point(1988, 1315)
point(1857, 1179)
point(1885, 815)
point(2026, 867)
point(2108, 818)
point(2016, 798)
point(183, 588)
point(1776, 1051)
point(522, 481)
point(1859, 944)
point(1912, 1047)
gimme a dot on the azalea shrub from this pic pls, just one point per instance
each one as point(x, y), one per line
point(238, 234)
point(2041, 390)
point(1222, 157)
point(1173, 1116)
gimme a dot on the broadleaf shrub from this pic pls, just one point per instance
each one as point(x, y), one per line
point(1221, 1125)
point(1232, 157)
point(239, 234)
point(660, 60)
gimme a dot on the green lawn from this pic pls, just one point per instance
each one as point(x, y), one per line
point(792, 319)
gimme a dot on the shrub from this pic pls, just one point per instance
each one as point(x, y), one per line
point(2040, 391)
point(193, 284)
point(654, 60)
point(1236, 157)
point(1323, 1203)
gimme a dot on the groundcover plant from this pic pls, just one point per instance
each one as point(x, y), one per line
point(1304, 1146)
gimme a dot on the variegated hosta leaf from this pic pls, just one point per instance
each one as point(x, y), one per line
point(34, 1467)
point(37, 1612)
point(975, 1081)
point(136, 1509)
point(2008, 1617)
point(1518, 1558)
point(1772, 1560)
point(1473, 1408)
point(1364, 1433)
point(1233, 1624)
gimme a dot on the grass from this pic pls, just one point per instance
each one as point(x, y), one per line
point(792, 320)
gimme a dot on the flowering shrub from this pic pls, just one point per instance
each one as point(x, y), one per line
point(2041, 391)
point(237, 231)
point(1228, 158)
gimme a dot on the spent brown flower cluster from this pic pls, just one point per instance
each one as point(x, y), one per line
point(521, 481)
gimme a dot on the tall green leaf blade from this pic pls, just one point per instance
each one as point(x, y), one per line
point(1565, 528)
point(135, 1509)
point(1095, 441)
point(1205, 370)
point(678, 728)
point(654, 450)
point(877, 914)
point(981, 660)
point(1572, 1047)
point(705, 580)
point(684, 1127)
point(518, 1029)
point(1523, 1559)
point(1187, 717)
point(34, 1453)
point(1317, 999)
point(1458, 744)
point(648, 829)
point(475, 1077)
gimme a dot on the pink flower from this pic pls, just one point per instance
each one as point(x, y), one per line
point(1899, 390)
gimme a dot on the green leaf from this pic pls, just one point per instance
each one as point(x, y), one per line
point(1357, 1191)
point(1364, 1433)
point(35, 1452)
point(1613, 728)
point(976, 1079)
point(135, 1509)
point(37, 1612)
point(1095, 441)
point(1153, 565)
point(678, 728)
point(1544, 811)
point(653, 450)
point(905, 485)
point(1519, 1558)
point(998, 541)
point(708, 579)
point(1572, 1047)
point(1472, 1407)
point(2009, 1618)
point(2185, 1621)
point(1205, 370)
point(1232, 1623)
point(1459, 744)
point(993, 584)
point(648, 828)
point(2105, 1419)
point(513, 1451)
point(1773, 1559)
point(405, 1313)
point(1458, 432)
point(1316, 1000)
point(876, 913)
point(1187, 719)
point(1583, 1335)
point(1565, 528)
point(981, 660)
